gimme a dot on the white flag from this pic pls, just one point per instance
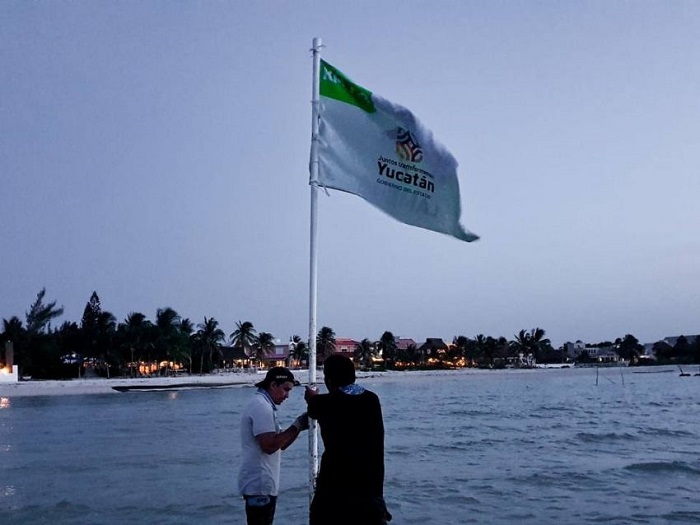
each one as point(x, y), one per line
point(380, 151)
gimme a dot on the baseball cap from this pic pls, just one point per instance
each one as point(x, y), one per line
point(277, 374)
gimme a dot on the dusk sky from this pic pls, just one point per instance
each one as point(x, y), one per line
point(157, 152)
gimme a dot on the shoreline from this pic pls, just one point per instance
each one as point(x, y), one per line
point(120, 385)
point(60, 387)
point(107, 386)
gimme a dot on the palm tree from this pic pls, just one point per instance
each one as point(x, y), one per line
point(521, 343)
point(134, 334)
point(167, 320)
point(13, 329)
point(490, 347)
point(479, 348)
point(243, 337)
point(106, 327)
point(364, 352)
point(470, 351)
point(502, 348)
point(460, 347)
point(540, 344)
point(182, 347)
point(411, 354)
point(325, 342)
point(208, 341)
point(531, 343)
point(299, 350)
point(387, 347)
point(264, 346)
point(40, 315)
point(166, 333)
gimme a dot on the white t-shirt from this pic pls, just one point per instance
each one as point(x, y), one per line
point(260, 472)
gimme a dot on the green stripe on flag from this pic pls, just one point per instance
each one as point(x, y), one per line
point(339, 87)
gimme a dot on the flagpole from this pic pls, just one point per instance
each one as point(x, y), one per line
point(313, 263)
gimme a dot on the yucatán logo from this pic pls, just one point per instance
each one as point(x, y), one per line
point(407, 146)
point(414, 179)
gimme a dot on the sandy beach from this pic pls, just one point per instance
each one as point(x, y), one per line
point(113, 386)
point(107, 386)
point(214, 380)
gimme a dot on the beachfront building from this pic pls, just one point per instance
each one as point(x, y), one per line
point(234, 358)
point(8, 370)
point(648, 353)
point(681, 348)
point(521, 360)
point(404, 343)
point(345, 346)
point(673, 340)
point(434, 349)
point(574, 349)
point(406, 349)
point(279, 357)
point(601, 354)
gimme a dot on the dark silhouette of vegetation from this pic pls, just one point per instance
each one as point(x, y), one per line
point(365, 351)
point(299, 351)
point(244, 336)
point(137, 346)
point(134, 347)
point(325, 344)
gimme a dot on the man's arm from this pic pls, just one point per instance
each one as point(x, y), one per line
point(271, 442)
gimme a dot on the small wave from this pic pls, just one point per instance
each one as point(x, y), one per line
point(588, 437)
point(458, 499)
point(563, 479)
point(64, 505)
point(665, 432)
point(666, 467)
point(684, 517)
point(466, 413)
point(553, 412)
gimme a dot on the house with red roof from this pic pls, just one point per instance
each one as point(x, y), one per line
point(345, 346)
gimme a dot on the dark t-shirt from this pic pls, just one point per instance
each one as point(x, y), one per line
point(353, 440)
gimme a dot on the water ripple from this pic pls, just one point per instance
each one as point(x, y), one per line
point(663, 467)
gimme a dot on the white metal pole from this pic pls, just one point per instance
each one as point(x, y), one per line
point(313, 265)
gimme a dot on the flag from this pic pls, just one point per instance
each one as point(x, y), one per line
point(380, 151)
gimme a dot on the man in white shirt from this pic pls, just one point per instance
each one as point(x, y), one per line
point(262, 442)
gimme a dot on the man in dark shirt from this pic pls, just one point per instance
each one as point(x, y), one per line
point(350, 483)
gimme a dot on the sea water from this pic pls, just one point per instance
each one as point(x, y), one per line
point(489, 447)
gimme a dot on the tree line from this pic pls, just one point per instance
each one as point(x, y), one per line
point(135, 346)
point(138, 346)
point(525, 349)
